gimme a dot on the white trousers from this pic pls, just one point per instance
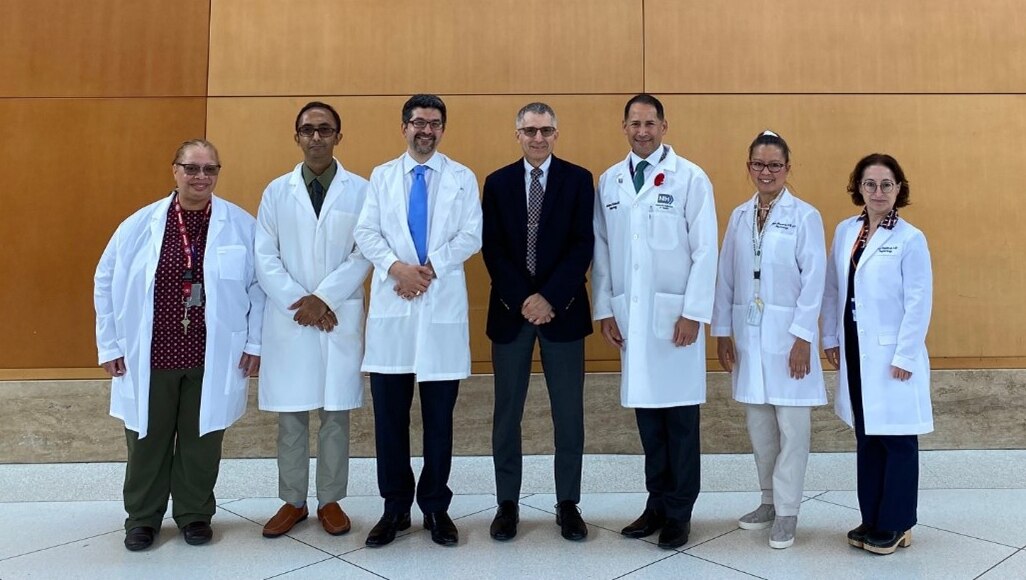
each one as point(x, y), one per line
point(780, 440)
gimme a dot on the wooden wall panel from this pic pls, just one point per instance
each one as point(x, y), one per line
point(103, 48)
point(73, 170)
point(810, 46)
point(962, 155)
point(357, 47)
point(255, 137)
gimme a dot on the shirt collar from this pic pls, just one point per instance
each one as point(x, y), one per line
point(325, 178)
point(652, 159)
point(544, 166)
point(434, 162)
point(890, 220)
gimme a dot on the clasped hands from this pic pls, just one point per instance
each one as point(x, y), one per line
point(537, 310)
point(312, 311)
point(412, 280)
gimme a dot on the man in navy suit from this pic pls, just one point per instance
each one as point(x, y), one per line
point(537, 244)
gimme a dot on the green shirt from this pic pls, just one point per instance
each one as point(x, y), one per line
point(325, 178)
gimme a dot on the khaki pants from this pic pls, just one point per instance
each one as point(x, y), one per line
point(294, 456)
point(172, 460)
point(780, 439)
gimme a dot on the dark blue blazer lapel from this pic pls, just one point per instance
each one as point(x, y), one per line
point(552, 188)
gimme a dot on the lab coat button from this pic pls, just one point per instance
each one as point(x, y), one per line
point(635, 236)
point(634, 300)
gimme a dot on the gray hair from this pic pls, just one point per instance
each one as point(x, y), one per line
point(537, 109)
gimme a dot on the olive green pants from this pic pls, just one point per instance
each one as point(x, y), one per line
point(172, 460)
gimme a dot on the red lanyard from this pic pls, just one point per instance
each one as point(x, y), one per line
point(187, 249)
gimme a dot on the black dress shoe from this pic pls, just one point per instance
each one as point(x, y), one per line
point(504, 526)
point(857, 537)
point(384, 531)
point(197, 533)
point(883, 542)
point(139, 538)
point(675, 533)
point(443, 531)
point(569, 520)
point(647, 524)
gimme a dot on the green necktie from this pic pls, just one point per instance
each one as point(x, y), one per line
point(639, 175)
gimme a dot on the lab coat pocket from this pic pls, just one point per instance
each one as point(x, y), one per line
point(776, 320)
point(666, 311)
point(779, 247)
point(231, 262)
point(888, 338)
point(350, 322)
point(663, 229)
point(619, 306)
point(236, 380)
point(125, 384)
point(340, 236)
point(448, 296)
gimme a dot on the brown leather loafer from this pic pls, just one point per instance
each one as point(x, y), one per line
point(334, 520)
point(288, 515)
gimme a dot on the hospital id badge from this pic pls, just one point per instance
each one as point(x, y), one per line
point(754, 317)
point(195, 298)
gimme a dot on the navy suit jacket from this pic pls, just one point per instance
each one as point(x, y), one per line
point(565, 245)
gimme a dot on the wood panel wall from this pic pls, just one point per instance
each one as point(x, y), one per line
point(941, 85)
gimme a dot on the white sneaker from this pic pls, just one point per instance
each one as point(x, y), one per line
point(760, 519)
point(782, 535)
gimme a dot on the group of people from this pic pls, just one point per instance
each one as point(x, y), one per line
point(193, 295)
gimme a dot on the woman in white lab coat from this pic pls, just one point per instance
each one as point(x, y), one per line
point(876, 311)
point(178, 315)
point(768, 295)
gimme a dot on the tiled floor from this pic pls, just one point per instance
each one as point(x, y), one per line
point(64, 521)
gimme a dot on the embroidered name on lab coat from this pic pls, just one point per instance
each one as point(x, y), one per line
point(612, 206)
point(784, 228)
point(892, 250)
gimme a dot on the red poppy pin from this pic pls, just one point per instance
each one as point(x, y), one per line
point(659, 179)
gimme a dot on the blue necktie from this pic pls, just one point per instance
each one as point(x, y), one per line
point(417, 217)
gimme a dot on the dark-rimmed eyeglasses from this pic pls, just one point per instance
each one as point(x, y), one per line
point(530, 132)
point(773, 166)
point(194, 169)
point(324, 131)
point(869, 186)
point(420, 124)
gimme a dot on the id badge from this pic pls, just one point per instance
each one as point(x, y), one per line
point(195, 297)
point(754, 317)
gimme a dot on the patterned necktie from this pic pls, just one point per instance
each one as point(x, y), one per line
point(417, 217)
point(317, 196)
point(639, 175)
point(534, 207)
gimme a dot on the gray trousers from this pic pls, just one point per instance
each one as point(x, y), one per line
point(294, 456)
point(563, 365)
point(780, 439)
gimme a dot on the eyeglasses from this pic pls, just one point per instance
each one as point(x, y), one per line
point(530, 132)
point(324, 131)
point(420, 124)
point(869, 186)
point(194, 169)
point(773, 166)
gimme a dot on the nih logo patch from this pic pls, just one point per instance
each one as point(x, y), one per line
point(665, 199)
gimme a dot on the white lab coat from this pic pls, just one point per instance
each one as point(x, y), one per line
point(792, 277)
point(299, 254)
point(893, 301)
point(123, 298)
point(655, 261)
point(429, 335)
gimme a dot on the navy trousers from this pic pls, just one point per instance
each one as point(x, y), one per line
point(887, 465)
point(673, 465)
point(393, 398)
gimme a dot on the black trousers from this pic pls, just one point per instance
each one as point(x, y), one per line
point(563, 364)
point(673, 467)
point(887, 465)
point(393, 398)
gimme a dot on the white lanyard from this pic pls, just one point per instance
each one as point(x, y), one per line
point(757, 235)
